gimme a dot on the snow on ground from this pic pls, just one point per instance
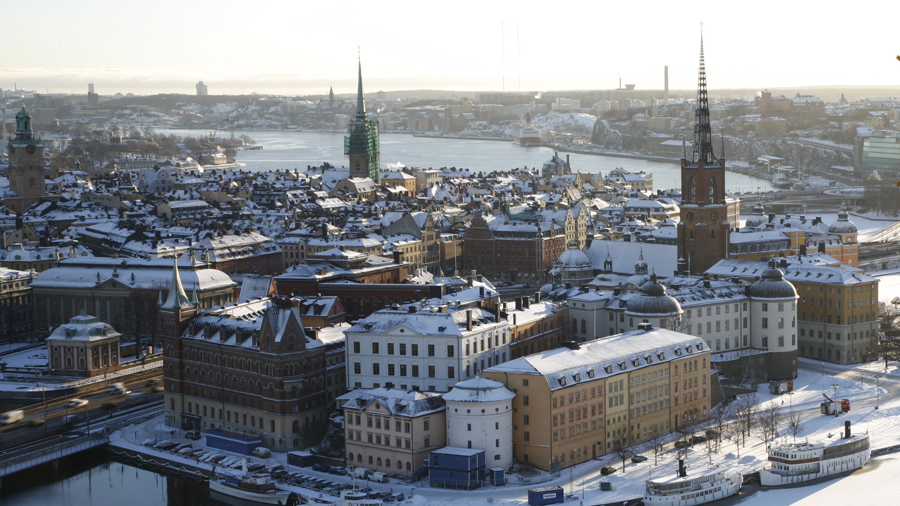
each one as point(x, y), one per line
point(889, 285)
point(853, 382)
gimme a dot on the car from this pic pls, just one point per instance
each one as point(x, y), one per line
point(109, 406)
point(256, 467)
point(697, 440)
point(637, 459)
point(76, 403)
point(158, 389)
point(680, 444)
point(166, 445)
point(36, 422)
point(607, 470)
point(193, 435)
point(322, 468)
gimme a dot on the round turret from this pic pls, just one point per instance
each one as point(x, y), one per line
point(843, 225)
point(479, 414)
point(772, 285)
point(653, 301)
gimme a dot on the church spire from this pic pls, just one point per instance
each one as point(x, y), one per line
point(703, 149)
point(177, 299)
point(360, 100)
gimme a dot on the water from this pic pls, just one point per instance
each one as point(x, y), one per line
point(91, 478)
point(286, 149)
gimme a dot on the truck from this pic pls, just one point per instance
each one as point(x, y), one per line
point(361, 473)
point(781, 387)
point(833, 407)
point(379, 477)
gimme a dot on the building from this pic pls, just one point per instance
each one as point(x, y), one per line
point(391, 430)
point(247, 370)
point(361, 143)
point(26, 165)
point(16, 305)
point(579, 402)
point(426, 347)
point(877, 152)
point(122, 291)
point(517, 251)
point(480, 416)
point(84, 347)
point(704, 228)
point(202, 89)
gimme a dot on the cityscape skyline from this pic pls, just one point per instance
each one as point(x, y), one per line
point(471, 47)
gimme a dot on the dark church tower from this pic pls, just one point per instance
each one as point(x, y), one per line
point(703, 231)
point(361, 142)
point(26, 165)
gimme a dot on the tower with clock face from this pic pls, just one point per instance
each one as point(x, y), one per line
point(26, 165)
point(704, 230)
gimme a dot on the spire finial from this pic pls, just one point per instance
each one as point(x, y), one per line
point(703, 150)
point(360, 100)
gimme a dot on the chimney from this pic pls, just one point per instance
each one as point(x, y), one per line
point(682, 471)
point(802, 250)
point(526, 302)
point(771, 217)
point(666, 85)
point(847, 429)
point(518, 304)
point(537, 297)
point(572, 345)
point(821, 247)
point(470, 280)
point(646, 327)
point(481, 291)
point(617, 291)
point(469, 320)
point(398, 256)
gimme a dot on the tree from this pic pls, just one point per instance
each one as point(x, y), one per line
point(745, 409)
point(794, 425)
point(768, 421)
point(622, 447)
point(657, 444)
point(718, 423)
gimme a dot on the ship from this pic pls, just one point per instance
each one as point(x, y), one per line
point(793, 463)
point(526, 134)
point(684, 490)
point(257, 488)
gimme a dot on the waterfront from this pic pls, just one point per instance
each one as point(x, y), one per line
point(287, 149)
point(92, 478)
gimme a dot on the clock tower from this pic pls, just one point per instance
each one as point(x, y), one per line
point(26, 165)
point(704, 229)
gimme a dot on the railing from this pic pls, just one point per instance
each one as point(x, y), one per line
point(31, 458)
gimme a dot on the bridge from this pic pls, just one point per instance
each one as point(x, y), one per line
point(38, 447)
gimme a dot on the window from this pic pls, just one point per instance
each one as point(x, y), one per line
point(402, 369)
point(357, 368)
point(430, 350)
point(427, 426)
point(376, 368)
point(525, 420)
point(390, 348)
point(415, 350)
point(525, 400)
point(450, 350)
point(431, 373)
point(403, 348)
point(390, 369)
point(451, 372)
point(765, 321)
point(356, 347)
point(415, 371)
point(375, 348)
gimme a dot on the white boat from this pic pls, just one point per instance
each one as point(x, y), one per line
point(684, 490)
point(255, 488)
point(526, 134)
point(793, 463)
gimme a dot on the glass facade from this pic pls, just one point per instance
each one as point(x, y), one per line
point(878, 152)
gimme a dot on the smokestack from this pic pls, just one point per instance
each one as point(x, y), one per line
point(682, 472)
point(847, 430)
point(481, 291)
point(469, 320)
point(666, 84)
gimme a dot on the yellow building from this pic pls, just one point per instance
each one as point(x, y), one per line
point(581, 401)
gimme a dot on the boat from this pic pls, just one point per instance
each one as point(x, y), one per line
point(258, 488)
point(793, 463)
point(526, 134)
point(683, 490)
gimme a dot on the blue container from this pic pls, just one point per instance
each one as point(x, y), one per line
point(545, 495)
point(301, 459)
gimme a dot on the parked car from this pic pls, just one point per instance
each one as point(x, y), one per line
point(682, 444)
point(697, 440)
point(607, 470)
point(637, 459)
point(193, 435)
point(322, 468)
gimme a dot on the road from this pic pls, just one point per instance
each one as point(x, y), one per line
point(55, 416)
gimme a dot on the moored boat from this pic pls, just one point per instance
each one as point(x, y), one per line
point(683, 490)
point(793, 463)
point(256, 488)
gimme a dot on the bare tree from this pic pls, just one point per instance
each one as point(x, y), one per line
point(657, 444)
point(768, 420)
point(718, 423)
point(745, 410)
point(794, 425)
point(623, 447)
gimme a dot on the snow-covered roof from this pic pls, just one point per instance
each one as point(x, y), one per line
point(398, 402)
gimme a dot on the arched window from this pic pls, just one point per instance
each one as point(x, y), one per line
point(712, 190)
point(295, 427)
point(387, 463)
point(408, 466)
point(574, 324)
point(692, 191)
point(378, 462)
point(584, 326)
point(370, 460)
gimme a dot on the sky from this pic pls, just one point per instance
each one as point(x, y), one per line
point(303, 48)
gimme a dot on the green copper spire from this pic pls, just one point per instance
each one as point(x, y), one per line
point(360, 100)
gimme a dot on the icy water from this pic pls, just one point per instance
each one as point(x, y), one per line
point(297, 150)
point(92, 479)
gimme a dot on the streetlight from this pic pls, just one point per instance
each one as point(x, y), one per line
point(877, 391)
point(835, 387)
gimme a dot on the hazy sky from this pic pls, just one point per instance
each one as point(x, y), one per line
point(303, 47)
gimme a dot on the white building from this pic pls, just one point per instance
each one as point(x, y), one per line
point(479, 415)
point(424, 347)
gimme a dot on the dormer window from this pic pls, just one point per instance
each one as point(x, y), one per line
point(562, 381)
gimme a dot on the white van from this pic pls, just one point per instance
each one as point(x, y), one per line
point(261, 452)
point(11, 417)
point(379, 477)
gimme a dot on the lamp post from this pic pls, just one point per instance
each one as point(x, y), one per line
point(877, 391)
point(835, 387)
